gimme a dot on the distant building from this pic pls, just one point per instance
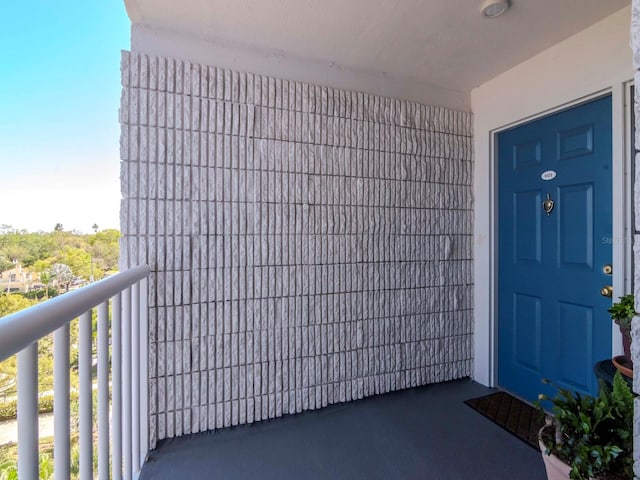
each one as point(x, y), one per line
point(17, 279)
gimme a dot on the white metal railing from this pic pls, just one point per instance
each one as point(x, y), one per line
point(122, 427)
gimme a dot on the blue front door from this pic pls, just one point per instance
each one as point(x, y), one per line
point(552, 320)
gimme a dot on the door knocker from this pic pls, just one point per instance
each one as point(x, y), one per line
point(548, 204)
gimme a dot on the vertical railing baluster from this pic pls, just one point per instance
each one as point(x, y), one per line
point(122, 392)
point(103, 391)
point(144, 372)
point(135, 374)
point(28, 444)
point(126, 384)
point(61, 404)
point(116, 387)
point(85, 398)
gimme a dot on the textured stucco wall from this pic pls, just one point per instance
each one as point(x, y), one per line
point(635, 328)
point(308, 245)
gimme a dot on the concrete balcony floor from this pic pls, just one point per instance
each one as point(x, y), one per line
point(421, 433)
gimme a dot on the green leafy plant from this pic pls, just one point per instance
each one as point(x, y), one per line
point(9, 470)
point(9, 408)
point(623, 311)
point(593, 434)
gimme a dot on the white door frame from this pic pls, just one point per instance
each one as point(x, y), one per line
point(485, 294)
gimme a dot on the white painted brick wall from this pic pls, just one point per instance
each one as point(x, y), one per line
point(308, 245)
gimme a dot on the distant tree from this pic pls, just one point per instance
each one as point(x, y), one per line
point(38, 251)
point(26, 248)
point(13, 303)
point(45, 277)
point(43, 269)
point(5, 263)
point(13, 249)
point(42, 266)
point(58, 227)
point(79, 260)
point(105, 248)
point(62, 275)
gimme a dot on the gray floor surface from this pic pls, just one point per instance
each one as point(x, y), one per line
point(421, 433)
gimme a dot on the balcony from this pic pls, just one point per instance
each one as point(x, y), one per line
point(424, 432)
point(320, 233)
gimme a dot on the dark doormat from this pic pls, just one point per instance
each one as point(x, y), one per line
point(515, 416)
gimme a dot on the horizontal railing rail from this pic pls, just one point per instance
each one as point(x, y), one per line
point(119, 304)
point(20, 329)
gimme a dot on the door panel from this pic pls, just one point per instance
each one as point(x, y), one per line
point(575, 346)
point(527, 153)
point(575, 239)
point(553, 322)
point(527, 221)
point(575, 142)
point(528, 331)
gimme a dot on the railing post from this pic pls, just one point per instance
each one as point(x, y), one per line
point(103, 391)
point(61, 400)
point(144, 371)
point(126, 385)
point(116, 386)
point(86, 396)
point(28, 444)
point(135, 375)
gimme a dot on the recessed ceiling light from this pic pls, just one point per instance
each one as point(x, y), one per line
point(494, 8)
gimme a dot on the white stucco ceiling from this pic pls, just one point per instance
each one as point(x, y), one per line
point(442, 42)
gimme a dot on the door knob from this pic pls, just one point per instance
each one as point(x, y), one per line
point(607, 291)
point(607, 269)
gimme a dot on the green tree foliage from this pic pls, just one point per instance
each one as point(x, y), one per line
point(13, 249)
point(39, 251)
point(5, 263)
point(78, 260)
point(13, 303)
point(58, 257)
point(105, 249)
point(24, 247)
point(42, 266)
point(10, 304)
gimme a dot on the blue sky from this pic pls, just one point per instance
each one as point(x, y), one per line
point(59, 98)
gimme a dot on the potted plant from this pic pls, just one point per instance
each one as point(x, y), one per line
point(589, 437)
point(622, 312)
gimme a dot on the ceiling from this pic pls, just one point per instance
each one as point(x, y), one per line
point(442, 42)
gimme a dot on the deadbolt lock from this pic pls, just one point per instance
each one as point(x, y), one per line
point(607, 291)
point(607, 269)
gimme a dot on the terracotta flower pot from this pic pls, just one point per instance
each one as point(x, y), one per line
point(626, 342)
point(556, 468)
